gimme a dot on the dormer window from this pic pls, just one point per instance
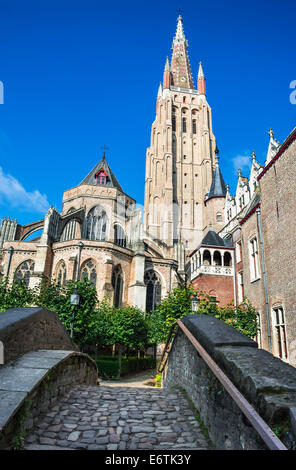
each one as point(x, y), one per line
point(101, 177)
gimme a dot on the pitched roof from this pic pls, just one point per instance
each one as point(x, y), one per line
point(111, 180)
point(213, 239)
point(218, 188)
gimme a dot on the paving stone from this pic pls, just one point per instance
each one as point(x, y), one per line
point(118, 418)
point(74, 436)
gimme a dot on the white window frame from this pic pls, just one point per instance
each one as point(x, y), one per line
point(254, 259)
point(279, 333)
point(240, 284)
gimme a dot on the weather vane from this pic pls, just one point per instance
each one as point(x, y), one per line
point(105, 148)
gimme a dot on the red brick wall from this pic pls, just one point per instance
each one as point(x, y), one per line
point(278, 207)
point(218, 286)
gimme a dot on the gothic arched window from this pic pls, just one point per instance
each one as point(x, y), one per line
point(119, 236)
point(96, 224)
point(117, 284)
point(153, 290)
point(25, 271)
point(61, 273)
point(88, 271)
point(184, 124)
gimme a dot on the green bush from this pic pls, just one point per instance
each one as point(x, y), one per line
point(108, 367)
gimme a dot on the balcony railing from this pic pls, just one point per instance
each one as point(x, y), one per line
point(213, 270)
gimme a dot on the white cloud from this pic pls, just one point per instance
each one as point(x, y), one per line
point(13, 193)
point(242, 161)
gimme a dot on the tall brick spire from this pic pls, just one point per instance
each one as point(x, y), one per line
point(180, 66)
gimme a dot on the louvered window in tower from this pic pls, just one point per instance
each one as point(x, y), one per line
point(194, 126)
point(184, 124)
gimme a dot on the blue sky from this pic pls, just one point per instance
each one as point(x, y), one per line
point(78, 75)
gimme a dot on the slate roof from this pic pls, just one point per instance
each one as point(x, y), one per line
point(213, 239)
point(218, 188)
point(111, 180)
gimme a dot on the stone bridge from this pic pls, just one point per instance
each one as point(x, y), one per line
point(50, 397)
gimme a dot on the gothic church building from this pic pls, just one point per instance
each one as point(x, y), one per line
point(192, 228)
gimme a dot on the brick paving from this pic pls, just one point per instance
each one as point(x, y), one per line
point(118, 418)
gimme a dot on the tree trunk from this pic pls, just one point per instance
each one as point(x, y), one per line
point(119, 361)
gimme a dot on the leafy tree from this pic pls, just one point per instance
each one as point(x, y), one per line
point(58, 299)
point(99, 331)
point(16, 294)
point(128, 329)
point(243, 317)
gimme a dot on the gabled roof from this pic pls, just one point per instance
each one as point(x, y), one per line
point(111, 180)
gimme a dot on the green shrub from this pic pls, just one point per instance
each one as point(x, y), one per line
point(109, 366)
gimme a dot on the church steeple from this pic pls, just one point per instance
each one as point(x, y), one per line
point(180, 66)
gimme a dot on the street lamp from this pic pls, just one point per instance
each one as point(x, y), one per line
point(80, 246)
point(171, 264)
point(10, 253)
point(75, 297)
point(195, 303)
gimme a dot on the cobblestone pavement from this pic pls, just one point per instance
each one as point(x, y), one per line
point(118, 418)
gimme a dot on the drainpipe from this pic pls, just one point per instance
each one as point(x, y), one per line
point(258, 212)
point(80, 246)
point(171, 266)
point(10, 252)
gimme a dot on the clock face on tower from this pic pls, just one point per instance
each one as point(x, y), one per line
point(183, 79)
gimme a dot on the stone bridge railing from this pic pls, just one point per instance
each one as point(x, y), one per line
point(41, 363)
point(33, 383)
point(266, 382)
point(24, 330)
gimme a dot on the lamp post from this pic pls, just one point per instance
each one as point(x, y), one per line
point(171, 263)
point(75, 297)
point(195, 303)
point(10, 252)
point(80, 246)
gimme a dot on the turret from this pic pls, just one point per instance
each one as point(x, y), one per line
point(201, 81)
point(167, 74)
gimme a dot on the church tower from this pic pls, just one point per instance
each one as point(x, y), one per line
point(180, 160)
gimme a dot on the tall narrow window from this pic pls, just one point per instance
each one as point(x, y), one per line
point(184, 124)
point(240, 279)
point(280, 333)
point(119, 236)
point(254, 260)
point(117, 284)
point(258, 337)
point(238, 251)
point(194, 126)
point(174, 123)
point(153, 290)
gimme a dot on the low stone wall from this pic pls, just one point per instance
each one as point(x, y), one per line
point(266, 382)
point(28, 329)
point(32, 383)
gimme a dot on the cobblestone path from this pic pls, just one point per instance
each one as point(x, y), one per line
point(118, 418)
